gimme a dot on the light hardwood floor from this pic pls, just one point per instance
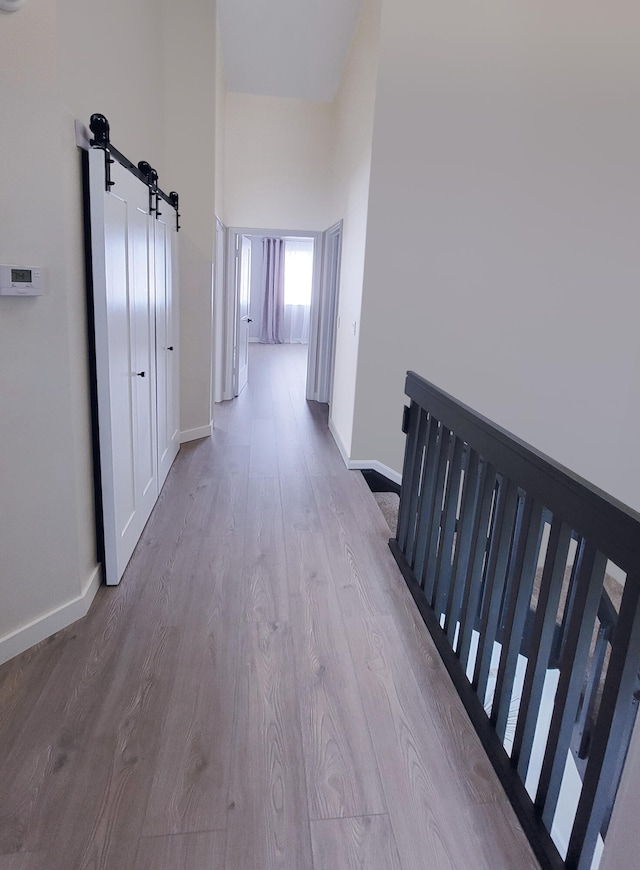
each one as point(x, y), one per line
point(259, 692)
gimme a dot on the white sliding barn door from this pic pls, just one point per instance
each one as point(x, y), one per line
point(133, 257)
point(165, 265)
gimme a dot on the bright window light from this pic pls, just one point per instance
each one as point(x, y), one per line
point(298, 271)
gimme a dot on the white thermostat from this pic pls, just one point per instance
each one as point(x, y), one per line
point(20, 281)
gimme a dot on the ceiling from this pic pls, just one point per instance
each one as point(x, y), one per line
point(287, 48)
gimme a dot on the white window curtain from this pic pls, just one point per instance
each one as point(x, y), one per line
point(287, 278)
point(273, 280)
point(298, 279)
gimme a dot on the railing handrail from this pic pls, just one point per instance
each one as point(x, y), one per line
point(590, 510)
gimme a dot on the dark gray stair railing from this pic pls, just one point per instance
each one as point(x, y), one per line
point(512, 560)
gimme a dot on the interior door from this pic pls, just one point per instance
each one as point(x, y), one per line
point(166, 348)
point(124, 322)
point(243, 279)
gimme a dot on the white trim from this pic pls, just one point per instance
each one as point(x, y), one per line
point(315, 317)
point(83, 135)
point(103, 383)
point(243, 266)
point(360, 464)
point(374, 465)
point(229, 316)
point(324, 312)
point(54, 620)
point(194, 434)
point(275, 233)
point(339, 444)
point(219, 313)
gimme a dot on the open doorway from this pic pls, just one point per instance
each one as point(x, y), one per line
point(282, 289)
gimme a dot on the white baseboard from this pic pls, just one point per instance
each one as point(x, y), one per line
point(194, 434)
point(339, 444)
point(374, 465)
point(359, 464)
point(49, 623)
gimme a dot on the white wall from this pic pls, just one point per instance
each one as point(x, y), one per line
point(47, 549)
point(219, 303)
point(53, 58)
point(115, 70)
point(277, 163)
point(220, 121)
point(502, 250)
point(189, 84)
point(353, 112)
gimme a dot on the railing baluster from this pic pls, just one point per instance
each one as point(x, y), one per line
point(613, 717)
point(473, 581)
point(433, 533)
point(448, 527)
point(584, 607)
point(568, 604)
point(425, 512)
point(496, 576)
point(417, 493)
point(541, 643)
point(587, 715)
point(524, 568)
point(464, 539)
point(410, 480)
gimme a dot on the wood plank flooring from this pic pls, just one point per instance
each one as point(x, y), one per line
point(259, 693)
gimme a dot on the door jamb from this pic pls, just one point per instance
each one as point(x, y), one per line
point(322, 351)
point(220, 315)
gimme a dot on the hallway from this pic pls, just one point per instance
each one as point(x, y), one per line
point(259, 692)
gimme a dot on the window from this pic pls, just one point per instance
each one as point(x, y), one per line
point(298, 271)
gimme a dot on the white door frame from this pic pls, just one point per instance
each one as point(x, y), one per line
point(234, 234)
point(243, 282)
point(324, 313)
point(219, 317)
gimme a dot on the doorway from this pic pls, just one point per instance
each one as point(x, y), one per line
point(301, 309)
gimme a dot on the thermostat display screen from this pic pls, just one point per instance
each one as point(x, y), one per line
point(21, 275)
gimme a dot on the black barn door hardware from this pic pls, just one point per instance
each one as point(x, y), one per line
point(99, 126)
point(175, 199)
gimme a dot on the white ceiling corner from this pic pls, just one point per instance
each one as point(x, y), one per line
point(287, 48)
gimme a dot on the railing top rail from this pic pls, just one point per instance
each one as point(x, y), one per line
point(611, 526)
